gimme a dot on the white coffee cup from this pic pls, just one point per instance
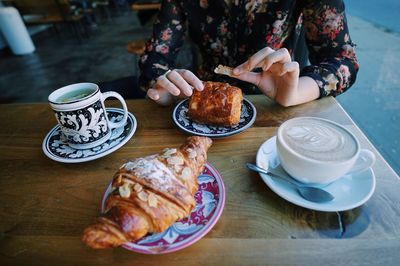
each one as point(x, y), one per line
point(319, 151)
point(80, 112)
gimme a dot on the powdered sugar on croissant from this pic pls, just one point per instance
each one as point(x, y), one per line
point(149, 194)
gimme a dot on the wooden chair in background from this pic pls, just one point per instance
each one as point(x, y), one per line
point(146, 5)
point(51, 12)
point(137, 47)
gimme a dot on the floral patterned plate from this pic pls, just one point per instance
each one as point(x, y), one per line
point(56, 148)
point(210, 200)
point(247, 118)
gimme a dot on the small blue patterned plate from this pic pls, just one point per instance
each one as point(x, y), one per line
point(57, 149)
point(247, 118)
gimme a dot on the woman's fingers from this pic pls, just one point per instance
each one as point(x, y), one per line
point(164, 82)
point(153, 94)
point(264, 58)
point(255, 78)
point(280, 56)
point(290, 67)
point(191, 79)
point(253, 61)
point(251, 77)
point(160, 96)
point(179, 83)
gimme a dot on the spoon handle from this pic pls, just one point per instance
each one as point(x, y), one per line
point(255, 168)
point(309, 193)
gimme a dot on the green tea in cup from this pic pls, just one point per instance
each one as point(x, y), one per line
point(75, 95)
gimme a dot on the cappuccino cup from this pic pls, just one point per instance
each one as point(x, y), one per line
point(81, 114)
point(318, 151)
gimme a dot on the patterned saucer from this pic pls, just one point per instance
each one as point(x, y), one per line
point(210, 200)
point(55, 147)
point(247, 118)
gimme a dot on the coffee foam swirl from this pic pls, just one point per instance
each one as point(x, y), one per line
point(319, 140)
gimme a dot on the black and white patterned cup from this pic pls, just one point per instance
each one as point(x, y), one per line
point(80, 112)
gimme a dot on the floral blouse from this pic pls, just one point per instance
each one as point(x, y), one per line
point(228, 32)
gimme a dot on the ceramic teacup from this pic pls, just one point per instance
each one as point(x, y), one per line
point(80, 112)
point(319, 151)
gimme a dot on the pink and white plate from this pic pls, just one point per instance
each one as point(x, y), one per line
point(210, 201)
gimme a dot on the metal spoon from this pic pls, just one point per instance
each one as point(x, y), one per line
point(313, 194)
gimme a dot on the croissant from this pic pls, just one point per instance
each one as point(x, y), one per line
point(149, 194)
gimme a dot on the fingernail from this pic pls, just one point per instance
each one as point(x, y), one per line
point(152, 96)
point(236, 71)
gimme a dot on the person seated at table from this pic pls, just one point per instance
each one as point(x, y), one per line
point(258, 38)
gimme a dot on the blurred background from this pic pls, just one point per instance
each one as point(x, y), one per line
point(100, 41)
point(374, 100)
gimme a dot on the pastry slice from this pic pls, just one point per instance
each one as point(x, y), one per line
point(217, 104)
point(224, 70)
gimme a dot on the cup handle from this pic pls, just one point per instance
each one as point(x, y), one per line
point(121, 123)
point(365, 160)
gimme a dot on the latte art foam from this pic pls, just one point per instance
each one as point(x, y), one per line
point(319, 140)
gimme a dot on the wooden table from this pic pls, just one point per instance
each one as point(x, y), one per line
point(137, 47)
point(45, 205)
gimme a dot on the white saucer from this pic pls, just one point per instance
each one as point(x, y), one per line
point(247, 118)
point(58, 150)
point(350, 191)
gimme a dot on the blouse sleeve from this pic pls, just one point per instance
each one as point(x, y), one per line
point(334, 64)
point(161, 50)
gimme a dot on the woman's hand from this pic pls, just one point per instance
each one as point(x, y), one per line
point(174, 83)
point(279, 79)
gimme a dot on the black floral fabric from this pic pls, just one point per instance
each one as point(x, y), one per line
point(228, 32)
